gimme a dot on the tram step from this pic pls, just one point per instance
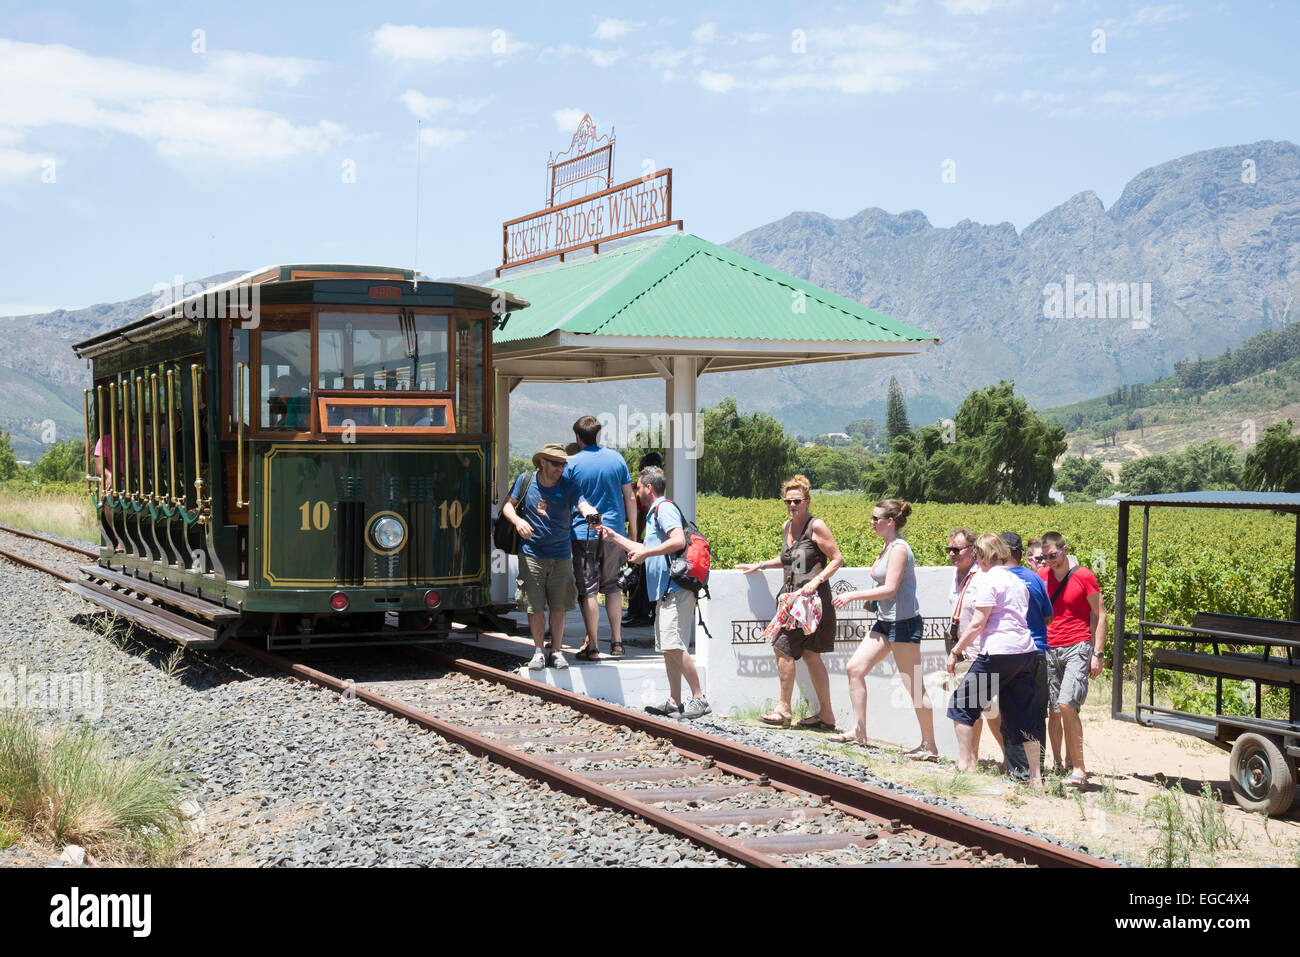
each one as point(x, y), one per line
point(191, 604)
point(159, 620)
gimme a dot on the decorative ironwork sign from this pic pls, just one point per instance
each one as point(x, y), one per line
point(610, 213)
point(590, 161)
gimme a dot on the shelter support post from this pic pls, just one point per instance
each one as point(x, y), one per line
point(681, 442)
point(501, 585)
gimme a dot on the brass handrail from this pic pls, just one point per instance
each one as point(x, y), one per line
point(200, 505)
point(153, 425)
point(171, 441)
point(85, 408)
point(99, 437)
point(239, 442)
point(139, 433)
point(112, 426)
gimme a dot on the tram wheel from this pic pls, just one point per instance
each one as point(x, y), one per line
point(1262, 777)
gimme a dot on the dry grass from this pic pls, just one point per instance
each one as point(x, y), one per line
point(58, 510)
point(64, 787)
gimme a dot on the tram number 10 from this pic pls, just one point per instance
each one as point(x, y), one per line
point(317, 515)
point(314, 516)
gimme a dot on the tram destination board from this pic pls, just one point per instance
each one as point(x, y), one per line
point(633, 207)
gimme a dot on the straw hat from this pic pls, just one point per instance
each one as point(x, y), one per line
point(553, 451)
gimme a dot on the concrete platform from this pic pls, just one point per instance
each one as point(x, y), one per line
point(636, 680)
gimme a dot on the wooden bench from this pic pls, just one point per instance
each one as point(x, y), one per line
point(1238, 630)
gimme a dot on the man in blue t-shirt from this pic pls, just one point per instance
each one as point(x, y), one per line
point(603, 479)
point(545, 580)
point(674, 606)
point(1037, 618)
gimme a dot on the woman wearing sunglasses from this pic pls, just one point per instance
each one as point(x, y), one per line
point(809, 557)
point(897, 629)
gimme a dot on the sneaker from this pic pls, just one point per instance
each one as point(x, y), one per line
point(538, 661)
point(666, 710)
point(696, 708)
point(561, 663)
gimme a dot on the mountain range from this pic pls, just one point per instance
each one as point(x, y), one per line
point(1196, 255)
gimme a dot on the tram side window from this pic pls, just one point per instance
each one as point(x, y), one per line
point(284, 379)
point(469, 375)
point(364, 350)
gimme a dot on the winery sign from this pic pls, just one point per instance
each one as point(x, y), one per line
point(609, 213)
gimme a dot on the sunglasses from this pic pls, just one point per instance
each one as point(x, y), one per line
point(954, 549)
point(880, 518)
point(794, 501)
point(1048, 556)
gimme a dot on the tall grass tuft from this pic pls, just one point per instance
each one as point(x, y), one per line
point(56, 509)
point(66, 788)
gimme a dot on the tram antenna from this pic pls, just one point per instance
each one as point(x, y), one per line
point(415, 277)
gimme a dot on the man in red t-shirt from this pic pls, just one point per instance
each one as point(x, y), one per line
point(1076, 640)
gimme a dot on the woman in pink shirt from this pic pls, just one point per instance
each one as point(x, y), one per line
point(1004, 662)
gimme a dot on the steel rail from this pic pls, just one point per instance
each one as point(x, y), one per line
point(501, 753)
point(49, 541)
point(782, 773)
point(937, 821)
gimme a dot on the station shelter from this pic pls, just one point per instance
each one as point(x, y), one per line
point(676, 307)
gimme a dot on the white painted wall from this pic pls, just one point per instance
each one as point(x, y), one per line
point(741, 667)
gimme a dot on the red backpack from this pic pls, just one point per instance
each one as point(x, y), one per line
point(689, 568)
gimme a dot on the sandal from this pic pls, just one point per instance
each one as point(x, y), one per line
point(776, 719)
point(616, 649)
point(815, 723)
point(588, 654)
point(919, 753)
point(1079, 781)
point(846, 739)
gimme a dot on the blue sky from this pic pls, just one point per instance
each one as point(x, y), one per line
point(142, 141)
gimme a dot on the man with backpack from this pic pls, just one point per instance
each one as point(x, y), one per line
point(665, 537)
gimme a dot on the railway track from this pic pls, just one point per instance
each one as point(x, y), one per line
point(750, 806)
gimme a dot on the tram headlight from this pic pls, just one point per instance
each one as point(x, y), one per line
point(388, 534)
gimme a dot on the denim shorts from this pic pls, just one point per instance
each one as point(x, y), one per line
point(908, 630)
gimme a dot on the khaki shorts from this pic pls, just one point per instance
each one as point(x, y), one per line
point(674, 615)
point(545, 584)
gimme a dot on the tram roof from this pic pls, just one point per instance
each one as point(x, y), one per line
point(288, 278)
point(613, 315)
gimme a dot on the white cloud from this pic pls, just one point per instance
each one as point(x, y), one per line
point(15, 164)
point(441, 138)
point(427, 107)
point(901, 9)
point(1164, 13)
point(705, 33)
point(211, 109)
point(611, 29)
point(441, 44)
point(977, 8)
point(601, 58)
point(567, 120)
point(717, 82)
point(605, 58)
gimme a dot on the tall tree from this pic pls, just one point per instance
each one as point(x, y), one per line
point(1274, 464)
point(742, 456)
point(896, 412)
point(1005, 448)
point(1083, 479)
point(9, 467)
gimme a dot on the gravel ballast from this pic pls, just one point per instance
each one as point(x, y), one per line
point(285, 773)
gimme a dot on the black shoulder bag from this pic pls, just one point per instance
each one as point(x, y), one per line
point(504, 534)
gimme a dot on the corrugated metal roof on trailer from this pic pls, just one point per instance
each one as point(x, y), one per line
point(1277, 501)
point(683, 286)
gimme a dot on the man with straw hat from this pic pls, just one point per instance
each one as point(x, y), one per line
point(545, 580)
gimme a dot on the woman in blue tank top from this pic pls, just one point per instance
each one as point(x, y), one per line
point(897, 629)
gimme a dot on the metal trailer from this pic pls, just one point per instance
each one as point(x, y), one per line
point(1263, 751)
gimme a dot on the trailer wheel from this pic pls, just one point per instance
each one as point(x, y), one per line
point(1262, 777)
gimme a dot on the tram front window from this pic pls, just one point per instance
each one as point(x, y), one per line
point(382, 350)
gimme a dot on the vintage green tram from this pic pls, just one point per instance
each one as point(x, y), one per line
point(304, 453)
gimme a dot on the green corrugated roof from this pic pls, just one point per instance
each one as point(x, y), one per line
point(685, 287)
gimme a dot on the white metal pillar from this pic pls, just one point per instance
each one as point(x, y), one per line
point(501, 585)
point(681, 439)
